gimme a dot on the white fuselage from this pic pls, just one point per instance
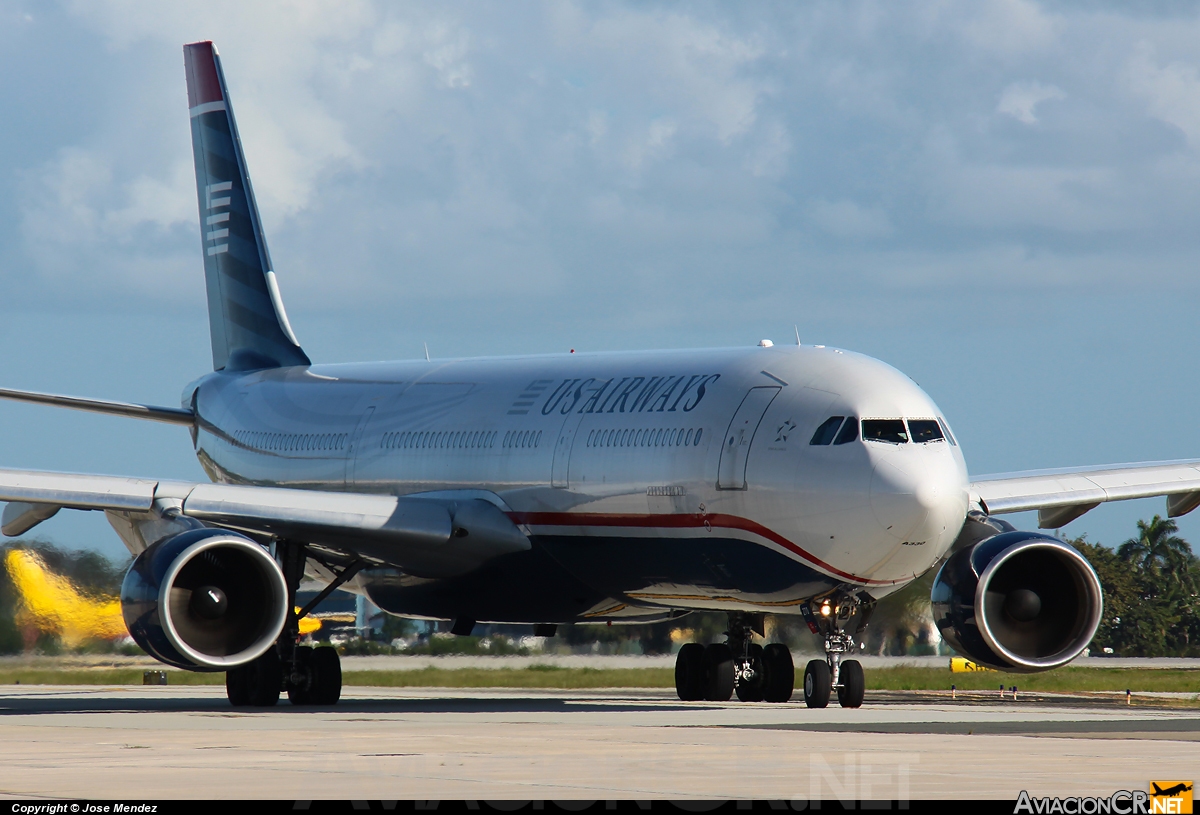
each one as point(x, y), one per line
point(655, 480)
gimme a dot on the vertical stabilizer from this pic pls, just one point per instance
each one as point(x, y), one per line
point(249, 326)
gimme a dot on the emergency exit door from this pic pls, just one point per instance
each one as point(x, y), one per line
point(735, 448)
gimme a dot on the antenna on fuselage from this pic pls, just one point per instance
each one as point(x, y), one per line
point(797, 335)
point(425, 345)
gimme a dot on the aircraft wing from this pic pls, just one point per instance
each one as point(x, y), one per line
point(1061, 496)
point(435, 536)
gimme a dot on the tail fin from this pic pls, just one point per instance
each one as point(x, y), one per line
point(249, 326)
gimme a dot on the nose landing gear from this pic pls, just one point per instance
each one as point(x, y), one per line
point(823, 677)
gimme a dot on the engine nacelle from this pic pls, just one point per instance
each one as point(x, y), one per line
point(205, 600)
point(1018, 601)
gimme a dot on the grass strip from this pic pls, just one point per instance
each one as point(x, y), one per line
point(547, 676)
point(1064, 680)
point(101, 676)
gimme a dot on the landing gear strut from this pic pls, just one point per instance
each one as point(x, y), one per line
point(310, 676)
point(834, 673)
point(715, 671)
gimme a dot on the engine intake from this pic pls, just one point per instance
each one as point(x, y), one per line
point(205, 600)
point(1018, 601)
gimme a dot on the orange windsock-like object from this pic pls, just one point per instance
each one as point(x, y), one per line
point(54, 605)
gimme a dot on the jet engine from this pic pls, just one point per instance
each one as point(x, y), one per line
point(1018, 601)
point(205, 600)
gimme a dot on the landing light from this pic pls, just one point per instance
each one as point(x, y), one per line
point(825, 609)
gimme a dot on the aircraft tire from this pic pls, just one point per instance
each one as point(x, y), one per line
point(719, 663)
point(304, 693)
point(264, 680)
point(236, 688)
point(853, 684)
point(818, 684)
point(752, 690)
point(327, 676)
point(689, 672)
point(779, 673)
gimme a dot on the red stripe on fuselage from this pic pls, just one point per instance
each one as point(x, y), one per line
point(202, 83)
point(694, 521)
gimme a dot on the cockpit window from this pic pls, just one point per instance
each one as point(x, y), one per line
point(849, 432)
point(946, 428)
point(889, 430)
point(827, 430)
point(925, 430)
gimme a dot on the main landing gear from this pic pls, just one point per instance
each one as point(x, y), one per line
point(309, 676)
point(713, 672)
point(824, 676)
point(314, 677)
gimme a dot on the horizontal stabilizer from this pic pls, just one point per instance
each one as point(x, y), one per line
point(135, 411)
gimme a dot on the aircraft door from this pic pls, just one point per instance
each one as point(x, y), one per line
point(735, 449)
point(559, 474)
point(352, 449)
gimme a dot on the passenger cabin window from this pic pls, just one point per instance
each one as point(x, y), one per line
point(827, 430)
point(849, 432)
point(925, 430)
point(889, 430)
point(649, 437)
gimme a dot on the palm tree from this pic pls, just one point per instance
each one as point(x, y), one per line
point(1158, 551)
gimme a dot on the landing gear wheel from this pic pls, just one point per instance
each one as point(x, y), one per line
point(235, 687)
point(719, 664)
point(852, 684)
point(327, 676)
point(256, 683)
point(779, 674)
point(302, 692)
point(689, 672)
point(751, 690)
point(818, 684)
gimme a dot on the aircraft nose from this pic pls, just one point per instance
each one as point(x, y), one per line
point(901, 500)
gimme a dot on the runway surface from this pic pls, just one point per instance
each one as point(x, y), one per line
point(187, 742)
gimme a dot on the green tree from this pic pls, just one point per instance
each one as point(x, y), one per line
point(1158, 551)
point(1150, 587)
point(1128, 624)
point(1167, 571)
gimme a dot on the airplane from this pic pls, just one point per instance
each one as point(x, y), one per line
point(564, 488)
point(1169, 792)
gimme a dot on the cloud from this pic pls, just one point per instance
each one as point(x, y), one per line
point(846, 219)
point(76, 205)
point(1007, 27)
point(1171, 92)
point(420, 154)
point(1020, 100)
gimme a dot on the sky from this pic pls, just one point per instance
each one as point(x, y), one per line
point(997, 197)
